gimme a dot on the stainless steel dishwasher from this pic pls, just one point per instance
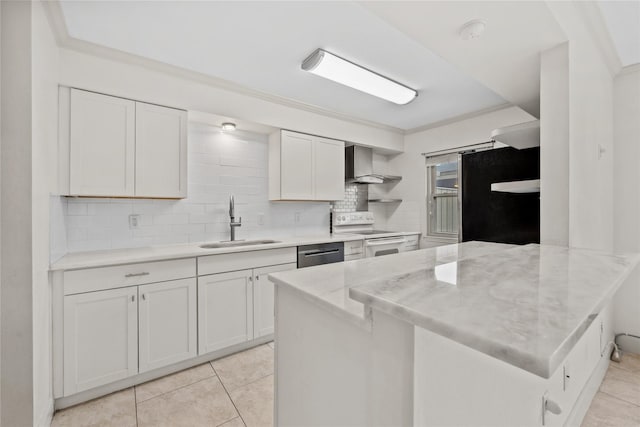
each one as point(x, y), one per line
point(324, 253)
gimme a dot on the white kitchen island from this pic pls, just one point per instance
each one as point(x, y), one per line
point(467, 334)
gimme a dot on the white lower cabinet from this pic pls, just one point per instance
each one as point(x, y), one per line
point(100, 338)
point(235, 307)
point(263, 299)
point(224, 310)
point(167, 323)
point(112, 323)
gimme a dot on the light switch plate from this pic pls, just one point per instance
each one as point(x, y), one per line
point(134, 221)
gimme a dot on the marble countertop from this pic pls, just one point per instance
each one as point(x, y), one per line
point(90, 259)
point(328, 285)
point(526, 305)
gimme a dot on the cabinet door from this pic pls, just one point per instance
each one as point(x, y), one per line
point(296, 167)
point(167, 323)
point(328, 159)
point(263, 316)
point(225, 310)
point(100, 338)
point(102, 139)
point(161, 151)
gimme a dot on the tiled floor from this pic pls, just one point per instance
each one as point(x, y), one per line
point(232, 392)
point(237, 391)
point(617, 403)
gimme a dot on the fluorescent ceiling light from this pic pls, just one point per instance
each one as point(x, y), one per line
point(332, 67)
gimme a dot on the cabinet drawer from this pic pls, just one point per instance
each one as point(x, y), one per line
point(213, 264)
point(94, 279)
point(353, 248)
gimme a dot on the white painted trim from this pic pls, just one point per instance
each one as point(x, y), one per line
point(56, 20)
point(594, 22)
point(460, 118)
point(635, 68)
point(45, 418)
point(94, 393)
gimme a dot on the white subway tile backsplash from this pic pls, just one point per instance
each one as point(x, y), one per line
point(77, 209)
point(220, 165)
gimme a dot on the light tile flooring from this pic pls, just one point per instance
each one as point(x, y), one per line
point(237, 391)
point(617, 403)
point(234, 391)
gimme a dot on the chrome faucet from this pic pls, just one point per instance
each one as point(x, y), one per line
point(232, 216)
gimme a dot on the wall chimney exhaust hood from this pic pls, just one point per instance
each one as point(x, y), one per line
point(358, 169)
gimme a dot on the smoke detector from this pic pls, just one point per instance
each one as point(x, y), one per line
point(472, 29)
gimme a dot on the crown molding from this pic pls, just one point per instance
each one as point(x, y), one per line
point(64, 40)
point(459, 118)
point(597, 28)
point(629, 69)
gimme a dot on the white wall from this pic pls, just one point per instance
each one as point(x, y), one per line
point(44, 57)
point(219, 165)
point(411, 213)
point(16, 377)
point(627, 197)
point(590, 128)
point(180, 89)
point(554, 146)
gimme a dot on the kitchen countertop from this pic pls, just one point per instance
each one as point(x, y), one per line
point(328, 285)
point(90, 259)
point(525, 305)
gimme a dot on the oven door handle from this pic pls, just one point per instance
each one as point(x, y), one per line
point(319, 253)
point(384, 242)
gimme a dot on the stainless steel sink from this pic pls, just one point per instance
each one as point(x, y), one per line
point(238, 243)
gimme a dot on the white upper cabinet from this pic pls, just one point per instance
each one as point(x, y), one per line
point(305, 167)
point(328, 166)
point(102, 145)
point(161, 151)
point(296, 166)
point(116, 147)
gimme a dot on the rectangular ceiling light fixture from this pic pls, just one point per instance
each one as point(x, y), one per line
point(332, 67)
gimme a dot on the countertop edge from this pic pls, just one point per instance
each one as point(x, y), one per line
point(183, 251)
point(363, 321)
point(543, 367)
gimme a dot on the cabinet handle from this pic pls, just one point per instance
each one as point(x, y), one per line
point(144, 273)
point(550, 406)
point(257, 277)
point(144, 297)
point(251, 279)
point(133, 298)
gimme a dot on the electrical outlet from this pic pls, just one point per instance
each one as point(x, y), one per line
point(134, 221)
point(296, 217)
point(260, 219)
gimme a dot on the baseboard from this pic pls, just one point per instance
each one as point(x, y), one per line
point(94, 393)
point(589, 391)
point(629, 344)
point(45, 418)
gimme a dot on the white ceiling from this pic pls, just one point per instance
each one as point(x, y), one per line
point(623, 22)
point(506, 58)
point(260, 45)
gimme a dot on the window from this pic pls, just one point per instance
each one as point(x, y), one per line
point(443, 207)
